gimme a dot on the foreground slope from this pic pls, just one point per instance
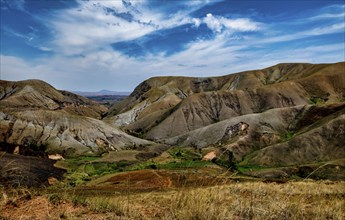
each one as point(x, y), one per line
point(34, 114)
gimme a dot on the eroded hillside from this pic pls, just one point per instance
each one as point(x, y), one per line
point(287, 114)
point(294, 113)
point(33, 114)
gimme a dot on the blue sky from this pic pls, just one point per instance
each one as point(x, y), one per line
point(93, 45)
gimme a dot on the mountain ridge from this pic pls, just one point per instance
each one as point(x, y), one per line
point(100, 93)
point(33, 114)
point(174, 111)
point(167, 93)
point(252, 114)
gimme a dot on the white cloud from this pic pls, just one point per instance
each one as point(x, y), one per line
point(83, 52)
point(213, 23)
point(328, 15)
point(330, 12)
point(322, 30)
point(241, 24)
point(94, 25)
point(219, 23)
point(90, 27)
point(196, 22)
point(110, 70)
point(46, 49)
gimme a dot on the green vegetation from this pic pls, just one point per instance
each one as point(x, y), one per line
point(184, 153)
point(72, 164)
point(182, 158)
point(170, 165)
point(82, 169)
point(185, 164)
point(246, 168)
point(96, 169)
point(317, 100)
point(288, 135)
point(225, 163)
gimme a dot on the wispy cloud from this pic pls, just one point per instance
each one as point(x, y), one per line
point(90, 27)
point(218, 23)
point(322, 30)
point(95, 24)
point(82, 38)
point(330, 12)
point(31, 39)
point(118, 72)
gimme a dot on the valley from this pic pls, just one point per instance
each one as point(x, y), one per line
point(235, 140)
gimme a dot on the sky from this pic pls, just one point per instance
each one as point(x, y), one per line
point(116, 44)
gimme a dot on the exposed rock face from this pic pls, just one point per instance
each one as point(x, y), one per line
point(33, 114)
point(281, 107)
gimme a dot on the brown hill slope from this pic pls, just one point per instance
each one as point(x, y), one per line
point(282, 115)
point(36, 94)
point(280, 136)
point(164, 107)
point(35, 115)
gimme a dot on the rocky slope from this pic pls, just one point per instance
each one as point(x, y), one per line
point(35, 115)
point(292, 113)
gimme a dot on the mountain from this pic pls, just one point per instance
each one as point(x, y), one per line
point(103, 92)
point(290, 113)
point(37, 117)
point(287, 114)
point(36, 94)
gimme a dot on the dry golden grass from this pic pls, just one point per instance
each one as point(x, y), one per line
point(249, 200)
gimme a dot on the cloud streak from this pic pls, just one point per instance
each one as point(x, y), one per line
point(218, 24)
point(81, 42)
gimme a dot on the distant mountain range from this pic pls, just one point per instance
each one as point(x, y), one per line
point(101, 93)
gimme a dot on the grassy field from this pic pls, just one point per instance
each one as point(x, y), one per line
point(246, 200)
